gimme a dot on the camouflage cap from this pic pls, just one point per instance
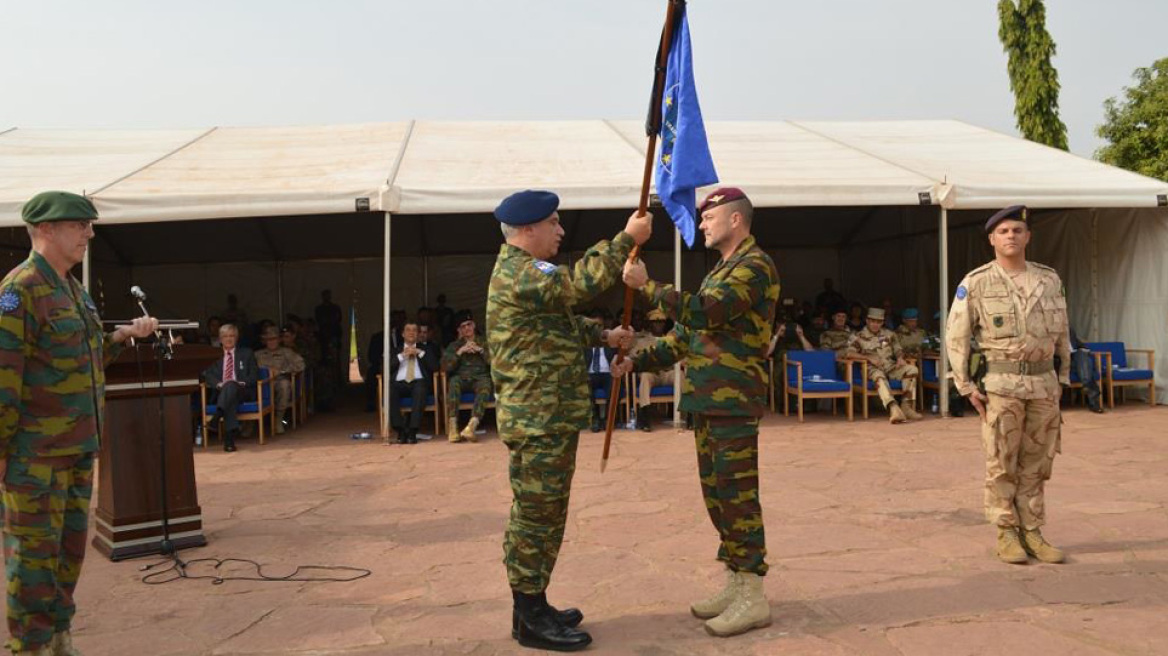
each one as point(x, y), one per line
point(721, 196)
point(1011, 213)
point(58, 206)
point(656, 315)
point(876, 313)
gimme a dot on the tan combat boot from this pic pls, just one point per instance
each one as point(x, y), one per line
point(715, 605)
point(62, 645)
point(1009, 548)
point(452, 430)
point(749, 610)
point(1037, 546)
point(906, 406)
point(44, 650)
point(895, 415)
point(468, 433)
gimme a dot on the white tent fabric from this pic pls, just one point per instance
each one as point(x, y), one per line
point(465, 167)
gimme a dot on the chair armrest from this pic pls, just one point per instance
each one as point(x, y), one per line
point(1150, 353)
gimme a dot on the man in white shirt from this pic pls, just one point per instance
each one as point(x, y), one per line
point(412, 367)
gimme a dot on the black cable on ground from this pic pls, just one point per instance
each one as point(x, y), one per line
point(179, 570)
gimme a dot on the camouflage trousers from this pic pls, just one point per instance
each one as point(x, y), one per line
point(1021, 437)
point(728, 467)
point(283, 389)
point(541, 471)
point(454, 388)
point(905, 372)
point(46, 518)
point(649, 380)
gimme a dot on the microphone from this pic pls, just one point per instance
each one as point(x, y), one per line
point(137, 293)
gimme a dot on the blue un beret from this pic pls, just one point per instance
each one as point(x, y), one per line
point(910, 313)
point(527, 207)
point(1011, 213)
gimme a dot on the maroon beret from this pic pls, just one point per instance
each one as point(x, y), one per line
point(721, 196)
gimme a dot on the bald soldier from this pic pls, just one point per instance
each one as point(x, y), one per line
point(53, 355)
point(536, 345)
point(880, 347)
point(723, 331)
point(1017, 311)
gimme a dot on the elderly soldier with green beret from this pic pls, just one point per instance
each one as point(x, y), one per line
point(281, 363)
point(1017, 311)
point(53, 355)
point(723, 332)
point(541, 387)
point(880, 347)
point(467, 363)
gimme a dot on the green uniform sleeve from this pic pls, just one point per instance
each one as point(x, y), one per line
point(450, 357)
point(665, 352)
point(16, 327)
point(591, 332)
point(714, 307)
point(544, 285)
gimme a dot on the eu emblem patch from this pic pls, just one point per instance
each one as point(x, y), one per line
point(962, 292)
point(9, 301)
point(546, 267)
point(998, 321)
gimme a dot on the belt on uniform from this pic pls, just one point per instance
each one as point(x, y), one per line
point(1022, 368)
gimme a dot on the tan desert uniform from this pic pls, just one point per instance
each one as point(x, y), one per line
point(912, 340)
point(649, 379)
point(886, 347)
point(1020, 323)
point(282, 362)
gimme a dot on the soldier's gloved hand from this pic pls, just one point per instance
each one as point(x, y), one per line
point(622, 368)
point(640, 227)
point(619, 337)
point(635, 275)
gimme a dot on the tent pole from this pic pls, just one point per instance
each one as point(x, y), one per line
point(85, 270)
point(943, 361)
point(385, 354)
point(279, 293)
point(677, 366)
point(1093, 327)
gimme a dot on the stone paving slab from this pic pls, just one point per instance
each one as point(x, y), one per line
point(877, 544)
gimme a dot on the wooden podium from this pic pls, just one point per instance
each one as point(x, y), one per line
point(129, 486)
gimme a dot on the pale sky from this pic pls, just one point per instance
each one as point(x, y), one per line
point(139, 64)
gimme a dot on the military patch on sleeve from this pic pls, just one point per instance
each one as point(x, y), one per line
point(962, 292)
point(9, 301)
point(546, 267)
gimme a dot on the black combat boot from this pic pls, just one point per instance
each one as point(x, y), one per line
point(644, 418)
point(539, 625)
point(599, 416)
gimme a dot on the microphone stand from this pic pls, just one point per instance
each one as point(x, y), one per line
point(163, 350)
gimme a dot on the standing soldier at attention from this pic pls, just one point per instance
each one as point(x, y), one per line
point(880, 347)
point(910, 333)
point(1017, 310)
point(541, 387)
point(467, 364)
point(723, 332)
point(52, 396)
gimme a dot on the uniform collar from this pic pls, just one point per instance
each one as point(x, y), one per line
point(42, 265)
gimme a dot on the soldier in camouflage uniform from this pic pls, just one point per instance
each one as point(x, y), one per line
point(52, 395)
point(880, 347)
point(911, 335)
point(467, 364)
point(1017, 310)
point(281, 362)
point(723, 332)
point(541, 386)
point(837, 337)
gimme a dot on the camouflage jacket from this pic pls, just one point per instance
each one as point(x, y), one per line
point(51, 393)
point(722, 332)
point(1012, 326)
point(883, 344)
point(281, 361)
point(835, 340)
point(536, 343)
point(911, 340)
point(471, 365)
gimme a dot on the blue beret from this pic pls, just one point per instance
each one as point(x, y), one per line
point(910, 313)
point(527, 207)
point(1011, 213)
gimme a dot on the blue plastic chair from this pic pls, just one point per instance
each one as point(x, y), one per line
point(813, 375)
point(407, 405)
point(1118, 372)
point(867, 388)
point(262, 406)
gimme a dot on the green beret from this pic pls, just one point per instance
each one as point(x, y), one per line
point(58, 206)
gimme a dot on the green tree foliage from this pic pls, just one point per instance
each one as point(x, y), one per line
point(1137, 127)
point(1033, 78)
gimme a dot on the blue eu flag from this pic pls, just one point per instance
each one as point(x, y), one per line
point(684, 163)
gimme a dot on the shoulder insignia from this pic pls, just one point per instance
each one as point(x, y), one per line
point(1044, 267)
point(962, 292)
point(545, 267)
point(9, 301)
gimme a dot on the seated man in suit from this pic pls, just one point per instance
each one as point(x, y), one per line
point(598, 360)
point(230, 382)
point(411, 369)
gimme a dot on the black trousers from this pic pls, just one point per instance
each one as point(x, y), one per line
point(228, 399)
point(1084, 365)
point(595, 382)
point(417, 392)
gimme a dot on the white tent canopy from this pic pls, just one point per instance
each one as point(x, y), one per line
point(428, 167)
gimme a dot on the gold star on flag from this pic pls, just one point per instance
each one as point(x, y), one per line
point(665, 159)
point(669, 101)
